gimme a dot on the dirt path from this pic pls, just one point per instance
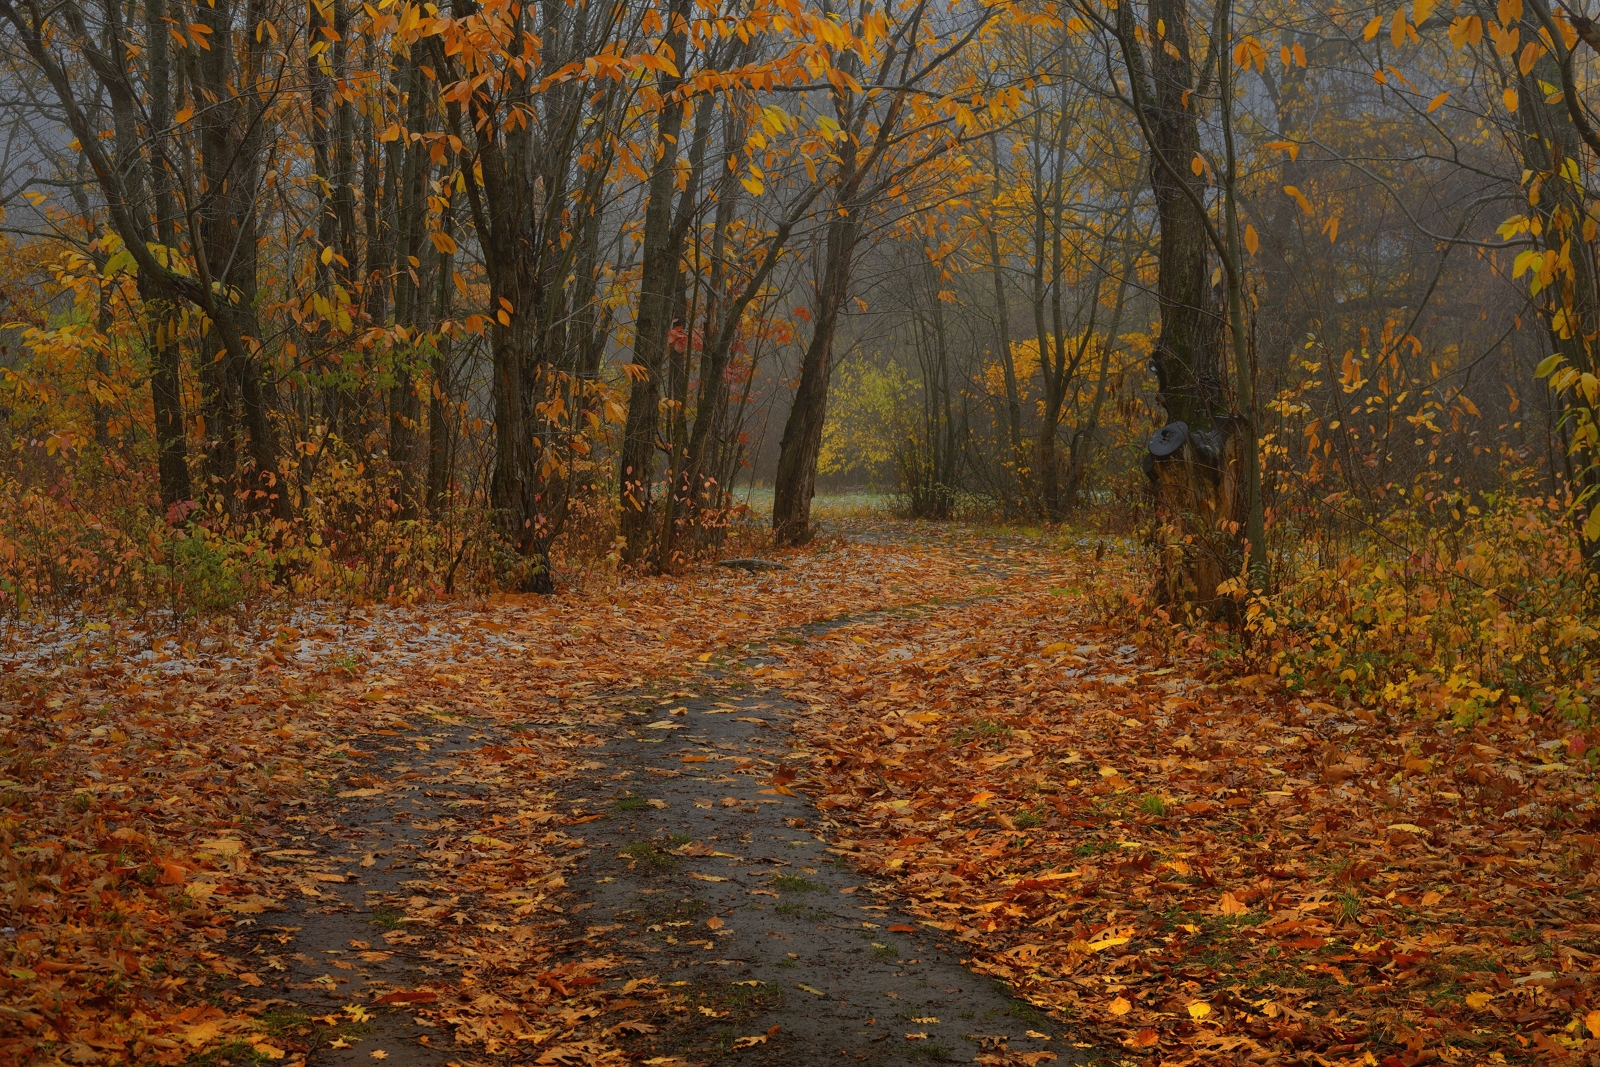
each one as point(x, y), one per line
point(695, 869)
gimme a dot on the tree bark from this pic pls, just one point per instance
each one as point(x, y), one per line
point(796, 479)
point(1002, 313)
point(659, 265)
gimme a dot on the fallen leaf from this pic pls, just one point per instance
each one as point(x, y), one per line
point(1199, 1010)
point(810, 989)
point(1110, 942)
point(1121, 1006)
point(202, 1032)
point(1479, 1001)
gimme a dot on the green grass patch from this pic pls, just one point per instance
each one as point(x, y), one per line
point(793, 883)
point(650, 855)
point(232, 1054)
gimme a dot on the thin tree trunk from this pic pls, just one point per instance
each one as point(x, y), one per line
point(1002, 313)
point(796, 479)
point(657, 285)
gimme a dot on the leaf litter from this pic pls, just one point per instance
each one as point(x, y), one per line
point(1177, 866)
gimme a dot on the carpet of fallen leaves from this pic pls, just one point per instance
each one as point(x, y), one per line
point(1184, 866)
point(1191, 867)
point(138, 763)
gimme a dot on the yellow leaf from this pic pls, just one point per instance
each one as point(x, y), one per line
point(1372, 28)
point(1121, 1006)
point(1420, 10)
point(755, 186)
point(443, 242)
point(1479, 1001)
point(1591, 528)
point(1397, 27)
point(271, 1052)
point(327, 255)
point(1299, 198)
point(1510, 98)
point(1232, 905)
point(1251, 241)
point(183, 116)
point(1110, 942)
point(1530, 55)
point(200, 1033)
point(1592, 1022)
point(1437, 102)
point(1197, 165)
point(1199, 1010)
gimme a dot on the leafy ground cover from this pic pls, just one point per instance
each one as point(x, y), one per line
point(1171, 862)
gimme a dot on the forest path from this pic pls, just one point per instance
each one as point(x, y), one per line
point(477, 833)
point(691, 870)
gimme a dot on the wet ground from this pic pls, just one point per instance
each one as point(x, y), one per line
point(700, 868)
point(719, 879)
point(351, 866)
point(707, 873)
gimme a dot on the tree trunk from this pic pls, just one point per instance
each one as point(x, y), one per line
point(657, 285)
point(1003, 320)
point(160, 305)
point(410, 286)
point(1195, 483)
point(796, 479)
